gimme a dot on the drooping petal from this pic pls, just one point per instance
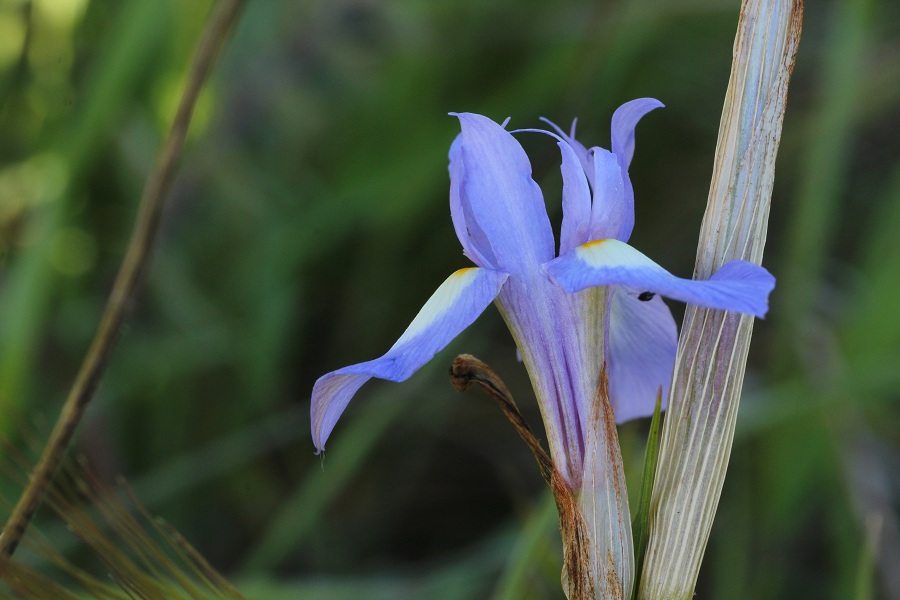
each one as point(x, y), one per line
point(739, 286)
point(505, 201)
point(452, 308)
point(643, 338)
point(576, 201)
point(611, 210)
point(474, 242)
point(624, 120)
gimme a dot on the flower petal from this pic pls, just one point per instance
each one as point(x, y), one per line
point(739, 286)
point(474, 242)
point(505, 201)
point(624, 120)
point(576, 201)
point(642, 343)
point(452, 308)
point(611, 210)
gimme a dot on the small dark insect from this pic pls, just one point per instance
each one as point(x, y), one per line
point(646, 296)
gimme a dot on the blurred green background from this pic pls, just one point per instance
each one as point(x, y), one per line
point(310, 222)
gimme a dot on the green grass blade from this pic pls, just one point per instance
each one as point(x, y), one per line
point(640, 527)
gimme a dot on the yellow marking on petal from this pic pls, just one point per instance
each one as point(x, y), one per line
point(463, 271)
point(612, 253)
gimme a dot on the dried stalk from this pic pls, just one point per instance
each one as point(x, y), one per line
point(712, 351)
point(596, 563)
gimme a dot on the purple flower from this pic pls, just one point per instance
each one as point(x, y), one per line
point(599, 298)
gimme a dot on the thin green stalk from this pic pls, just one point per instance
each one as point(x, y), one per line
point(641, 525)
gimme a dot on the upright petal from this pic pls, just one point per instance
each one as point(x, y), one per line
point(576, 202)
point(642, 343)
point(505, 201)
point(628, 216)
point(624, 120)
point(612, 210)
point(739, 286)
point(452, 308)
point(474, 241)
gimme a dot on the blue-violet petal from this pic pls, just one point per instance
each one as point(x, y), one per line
point(643, 339)
point(452, 308)
point(739, 286)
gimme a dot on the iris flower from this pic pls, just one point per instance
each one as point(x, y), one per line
point(598, 300)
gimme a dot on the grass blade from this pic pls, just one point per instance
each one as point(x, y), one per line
point(640, 524)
